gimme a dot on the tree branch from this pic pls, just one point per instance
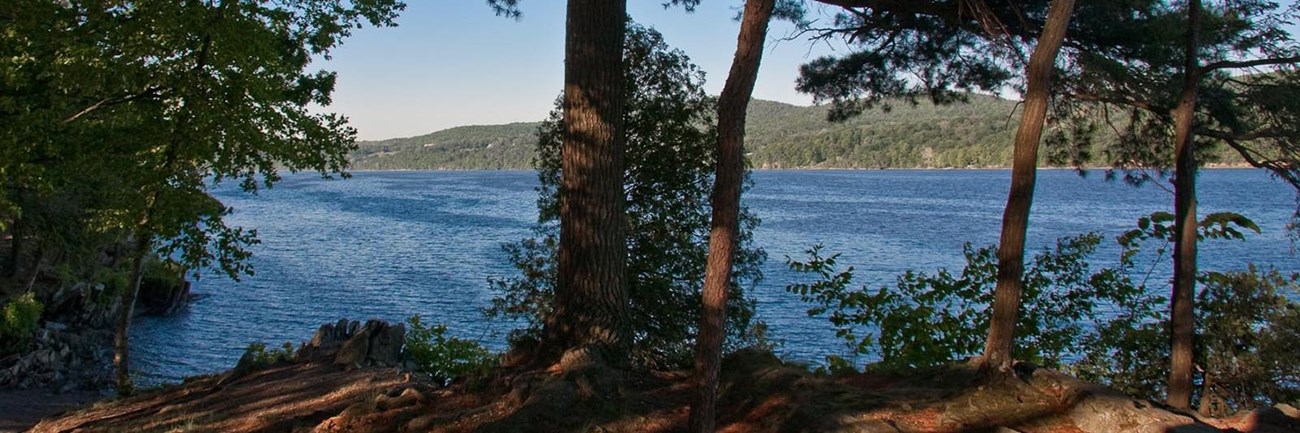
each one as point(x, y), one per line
point(1226, 64)
point(109, 102)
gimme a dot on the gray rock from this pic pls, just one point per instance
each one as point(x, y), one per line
point(354, 351)
point(386, 344)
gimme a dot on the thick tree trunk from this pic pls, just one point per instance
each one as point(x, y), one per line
point(1182, 316)
point(121, 337)
point(591, 288)
point(1024, 167)
point(723, 236)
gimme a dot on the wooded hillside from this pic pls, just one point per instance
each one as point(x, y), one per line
point(970, 135)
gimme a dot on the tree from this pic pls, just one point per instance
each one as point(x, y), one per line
point(1181, 315)
point(591, 286)
point(934, 43)
point(590, 310)
point(670, 156)
point(1024, 166)
point(167, 97)
point(724, 237)
point(1180, 81)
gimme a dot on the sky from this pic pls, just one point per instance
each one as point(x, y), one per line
point(453, 62)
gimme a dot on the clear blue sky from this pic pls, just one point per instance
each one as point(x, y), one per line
point(452, 62)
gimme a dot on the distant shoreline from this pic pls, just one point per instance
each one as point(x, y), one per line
point(1233, 166)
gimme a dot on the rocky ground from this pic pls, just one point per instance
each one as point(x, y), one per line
point(336, 388)
point(71, 350)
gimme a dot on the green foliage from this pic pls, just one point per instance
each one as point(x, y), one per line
point(1098, 325)
point(256, 356)
point(1131, 74)
point(1247, 325)
point(1160, 226)
point(117, 116)
point(18, 321)
point(926, 320)
point(163, 273)
point(445, 358)
point(669, 160)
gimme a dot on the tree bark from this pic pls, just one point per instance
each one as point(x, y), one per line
point(1024, 167)
point(1182, 316)
point(591, 287)
point(122, 335)
point(733, 104)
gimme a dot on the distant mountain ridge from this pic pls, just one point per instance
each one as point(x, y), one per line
point(976, 134)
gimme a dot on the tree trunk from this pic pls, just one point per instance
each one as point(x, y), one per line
point(591, 288)
point(1024, 167)
point(1206, 408)
point(16, 247)
point(1182, 317)
point(121, 337)
point(733, 104)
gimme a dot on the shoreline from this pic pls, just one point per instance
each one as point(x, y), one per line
point(815, 169)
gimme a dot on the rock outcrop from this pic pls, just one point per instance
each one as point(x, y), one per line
point(71, 350)
point(162, 297)
point(61, 359)
point(375, 344)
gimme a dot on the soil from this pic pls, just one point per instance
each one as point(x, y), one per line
point(21, 409)
point(758, 394)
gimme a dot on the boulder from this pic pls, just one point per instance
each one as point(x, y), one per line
point(386, 344)
point(376, 344)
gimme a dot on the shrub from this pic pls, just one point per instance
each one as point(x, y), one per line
point(445, 358)
point(926, 320)
point(257, 356)
point(18, 322)
point(1246, 327)
point(1099, 326)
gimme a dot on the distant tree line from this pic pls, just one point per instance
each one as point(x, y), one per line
point(778, 135)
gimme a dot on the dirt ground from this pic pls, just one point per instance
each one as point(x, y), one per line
point(758, 394)
point(21, 409)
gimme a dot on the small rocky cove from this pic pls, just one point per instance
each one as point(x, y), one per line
point(72, 349)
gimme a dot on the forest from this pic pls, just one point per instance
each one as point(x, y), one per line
point(630, 295)
point(778, 135)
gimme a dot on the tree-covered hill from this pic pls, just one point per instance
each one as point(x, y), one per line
point(961, 135)
point(508, 146)
point(973, 134)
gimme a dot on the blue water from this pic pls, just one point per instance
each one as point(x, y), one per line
point(393, 244)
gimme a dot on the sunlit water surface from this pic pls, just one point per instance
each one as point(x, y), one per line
point(390, 245)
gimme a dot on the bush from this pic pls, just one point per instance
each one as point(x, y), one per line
point(257, 357)
point(1246, 327)
point(926, 320)
point(1099, 326)
point(445, 358)
point(18, 322)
